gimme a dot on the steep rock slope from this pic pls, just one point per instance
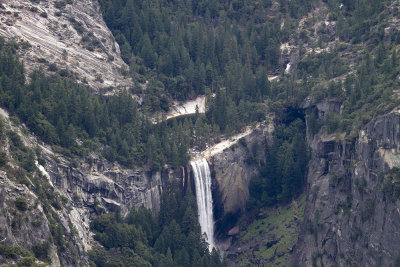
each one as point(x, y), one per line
point(352, 215)
point(234, 163)
point(71, 36)
point(21, 224)
point(60, 197)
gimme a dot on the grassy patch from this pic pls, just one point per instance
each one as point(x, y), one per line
point(277, 230)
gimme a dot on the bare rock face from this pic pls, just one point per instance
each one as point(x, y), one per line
point(99, 186)
point(72, 36)
point(23, 222)
point(232, 169)
point(25, 227)
point(108, 185)
point(349, 219)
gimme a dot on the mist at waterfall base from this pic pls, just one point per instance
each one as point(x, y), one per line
point(202, 178)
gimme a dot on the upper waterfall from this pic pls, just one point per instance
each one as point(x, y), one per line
point(202, 178)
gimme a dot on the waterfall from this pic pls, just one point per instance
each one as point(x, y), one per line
point(202, 178)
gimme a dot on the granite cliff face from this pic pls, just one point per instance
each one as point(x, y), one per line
point(75, 193)
point(100, 186)
point(232, 170)
point(88, 190)
point(23, 227)
point(350, 218)
point(70, 34)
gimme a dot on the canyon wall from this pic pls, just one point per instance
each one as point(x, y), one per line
point(352, 213)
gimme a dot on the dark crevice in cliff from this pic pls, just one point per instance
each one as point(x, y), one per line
point(291, 114)
point(191, 184)
point(225, 224)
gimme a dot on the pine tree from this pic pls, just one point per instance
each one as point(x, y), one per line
point(147, 52)
point(174, 157)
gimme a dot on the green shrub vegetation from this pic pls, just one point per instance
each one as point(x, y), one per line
point(21, 204)
point(278, 228)
point(23, 155)
point(3, 158)
point(13, 252)
point(391, 185)
point(37, 223)
point(41, 250)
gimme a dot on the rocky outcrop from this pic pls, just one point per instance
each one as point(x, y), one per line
point(23, 221)
point(349, 218)
point(232, 169)
point(99, 186)
point(70, 34)
point(75, 190)
point(108, 185)
point(88, 190)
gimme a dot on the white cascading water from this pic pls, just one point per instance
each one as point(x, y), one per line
point(202, 178)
